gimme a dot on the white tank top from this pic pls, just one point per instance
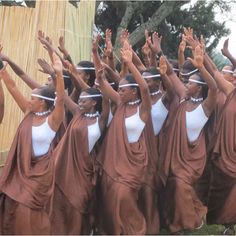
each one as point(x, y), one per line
point(159, 114)
point(195, 121)
point(134, 127)
point(110, 117)
point(94, 134)
point(42, 137)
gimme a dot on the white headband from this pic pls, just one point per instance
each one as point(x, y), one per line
point(65, 76)
point(127, 85)
point(85, 68)
point(99, 84)
point(43, 97)
point(196, 81)
point(175, 69)
point(228, 71)
point(189, 73)
point(151, 76)
point(90, 96)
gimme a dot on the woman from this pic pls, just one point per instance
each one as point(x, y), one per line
point(187, 155)
point(75, 168)
point(221, 207)
point(123, 155)
point(159, 112)
point(26, 183)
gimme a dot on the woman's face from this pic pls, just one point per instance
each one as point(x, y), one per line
point(192, 88)
point(86, 105)
point(36, 104)
point(153, 84)
point(82, 75)
point(126, 93)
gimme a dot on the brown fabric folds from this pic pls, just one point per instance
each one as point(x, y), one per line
point(187, 162)
point(224, 149)
point(26, 185)
point(74, 164)
point(124, 167)
point(124, 162)
point(25, 179)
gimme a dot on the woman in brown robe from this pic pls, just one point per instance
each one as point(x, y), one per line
point(160, 105)
point(75, 169)
point(221, 202)
point(26, 183)
point(123, 155)
point(183, 210)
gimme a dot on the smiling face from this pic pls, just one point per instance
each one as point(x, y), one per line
point(127, 93)
point(86, 105)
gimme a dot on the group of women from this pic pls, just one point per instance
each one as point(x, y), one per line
point(130, 152)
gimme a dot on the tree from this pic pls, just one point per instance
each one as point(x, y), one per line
point(166, 17)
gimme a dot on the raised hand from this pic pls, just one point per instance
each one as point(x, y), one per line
point(155, 42)
point(162, 65)
point(182, 44)
point(46, 68)
point(225, 49)
point(61, 46)
point(198, 59)
point(124, 36)
point(47, 43)
point(146, 50)
point(126, 52)
point(56, 63)
point(95, 42)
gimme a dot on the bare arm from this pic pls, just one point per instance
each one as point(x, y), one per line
point(71, 105)
point(105, 113)
point(21, 101)
point(146, 106)
point(1, 102)
point(225, 51)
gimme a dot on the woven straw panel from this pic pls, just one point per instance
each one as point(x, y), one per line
point(18, 35)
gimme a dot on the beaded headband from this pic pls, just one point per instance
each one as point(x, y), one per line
point(90, 96)
point(189, 73)
point(228, 71)
point(151, 76)
point(85, 68)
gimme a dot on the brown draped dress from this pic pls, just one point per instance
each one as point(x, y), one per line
point(221, 204)
point(123, 173)
point(75, 180)
point(183, 209)
point(26, 185)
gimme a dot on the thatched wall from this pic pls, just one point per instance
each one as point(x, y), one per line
point(18, 35)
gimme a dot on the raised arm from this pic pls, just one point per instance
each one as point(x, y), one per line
point(21, 101)
point(109, 49)
point(145, 108)
point(26, 78)
point(225, 51)
point(106, 88)
point(209, 103)
point(181, 49)
point(1, 102)
point(63, 50)
point(166, 81)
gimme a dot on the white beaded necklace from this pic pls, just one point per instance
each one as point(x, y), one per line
point(155, 93)
point(91, 115)
point(43, 113)
point(195, 100)
point(134, 102)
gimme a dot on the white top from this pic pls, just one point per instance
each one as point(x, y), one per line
point(159, 114)
point(134, 127)
point(110, 117)
point(42, 137)
point(94, 134)
point(195, 121)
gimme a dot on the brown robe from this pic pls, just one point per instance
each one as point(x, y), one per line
point(148, 195)
point(221, 205)
point(75, 180)
point(203, 184)
point(124, 165)
point(183, 209)
point(26, 185)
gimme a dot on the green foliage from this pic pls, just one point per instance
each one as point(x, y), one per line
point(200, 16)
